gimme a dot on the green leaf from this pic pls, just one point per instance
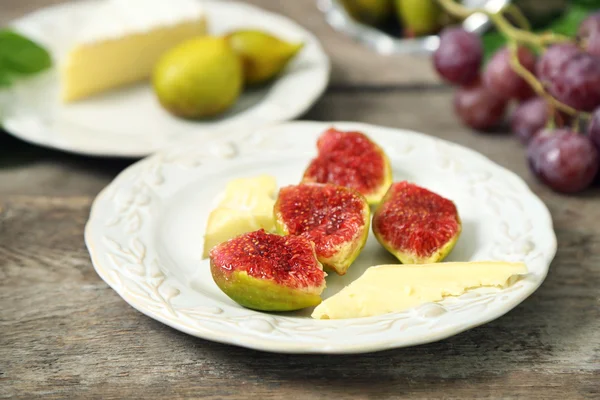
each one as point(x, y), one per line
point(21, 55)
point(591, 5)
point(5, 79)
point(569, 22)
point(5, 76)
point(492, 42)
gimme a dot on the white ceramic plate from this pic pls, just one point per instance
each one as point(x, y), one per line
point(146, 230)
point(130, 122)
point(385, 43)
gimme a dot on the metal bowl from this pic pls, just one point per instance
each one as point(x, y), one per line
point(383, 43)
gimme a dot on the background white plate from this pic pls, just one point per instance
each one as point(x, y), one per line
point(146, 229)
point(385, 43)
point(130, 122)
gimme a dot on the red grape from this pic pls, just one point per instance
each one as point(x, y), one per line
point(503, 80)
point(589, 24)
point(551, 62)
point(528, 118)
point(536, 146)
point(594, 128)
point(592, 44)
point(579, 83)
point(589, 33)
point(571, 76)
point(531, 116)
point(459, 55)
point(478, 107)
point(564, 160)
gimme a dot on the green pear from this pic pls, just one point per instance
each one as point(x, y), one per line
point(263, 55)
point(198, 78)
point(419, 17)
point(370, 12)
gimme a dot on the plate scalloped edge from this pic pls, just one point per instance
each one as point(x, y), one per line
point(256, 330)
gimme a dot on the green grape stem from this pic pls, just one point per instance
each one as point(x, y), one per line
point(518, 16)
point(518, 36)
point(532, 80)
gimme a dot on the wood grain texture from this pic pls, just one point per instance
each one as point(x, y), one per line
point(65, 334)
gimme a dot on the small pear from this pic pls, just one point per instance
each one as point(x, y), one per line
point(419, 17)
point(198, 78)
point(370, 12)
point(263, 55)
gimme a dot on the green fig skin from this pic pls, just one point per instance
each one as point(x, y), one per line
point(375, 197)
point(263, 55)
point(344, 255)
point(262, 295)
point(374, 194)
point(268, 272)
point(408, 257)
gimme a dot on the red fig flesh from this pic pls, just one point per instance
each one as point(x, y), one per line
point(416, 225)
point(351, 159)
point(268, 272)
point(335, 218)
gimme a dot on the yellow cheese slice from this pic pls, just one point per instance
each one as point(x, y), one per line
point(392, 288)
point(123, 42)
point(246, 206)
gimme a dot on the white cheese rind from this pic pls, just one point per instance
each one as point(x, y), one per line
point(118, 18)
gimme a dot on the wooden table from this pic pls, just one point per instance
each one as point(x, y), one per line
point(65, 334)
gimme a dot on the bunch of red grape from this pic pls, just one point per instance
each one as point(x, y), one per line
point(569, 72)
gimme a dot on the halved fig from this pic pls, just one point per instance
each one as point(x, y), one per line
point(416, 225)
point(268, 272)
point(351, 159)
point(335, 218)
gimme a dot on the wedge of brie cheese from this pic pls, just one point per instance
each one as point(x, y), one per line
point(123, 42)
point(246, 206)
point(393, 288)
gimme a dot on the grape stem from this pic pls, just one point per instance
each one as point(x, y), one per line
point(532, 80)
point(512, 32)
point(517, 15)
point(515, 37)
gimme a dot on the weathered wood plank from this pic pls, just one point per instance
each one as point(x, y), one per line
point(33, 170)
point(64, 332)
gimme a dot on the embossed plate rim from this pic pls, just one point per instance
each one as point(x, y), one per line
point(263, 335)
